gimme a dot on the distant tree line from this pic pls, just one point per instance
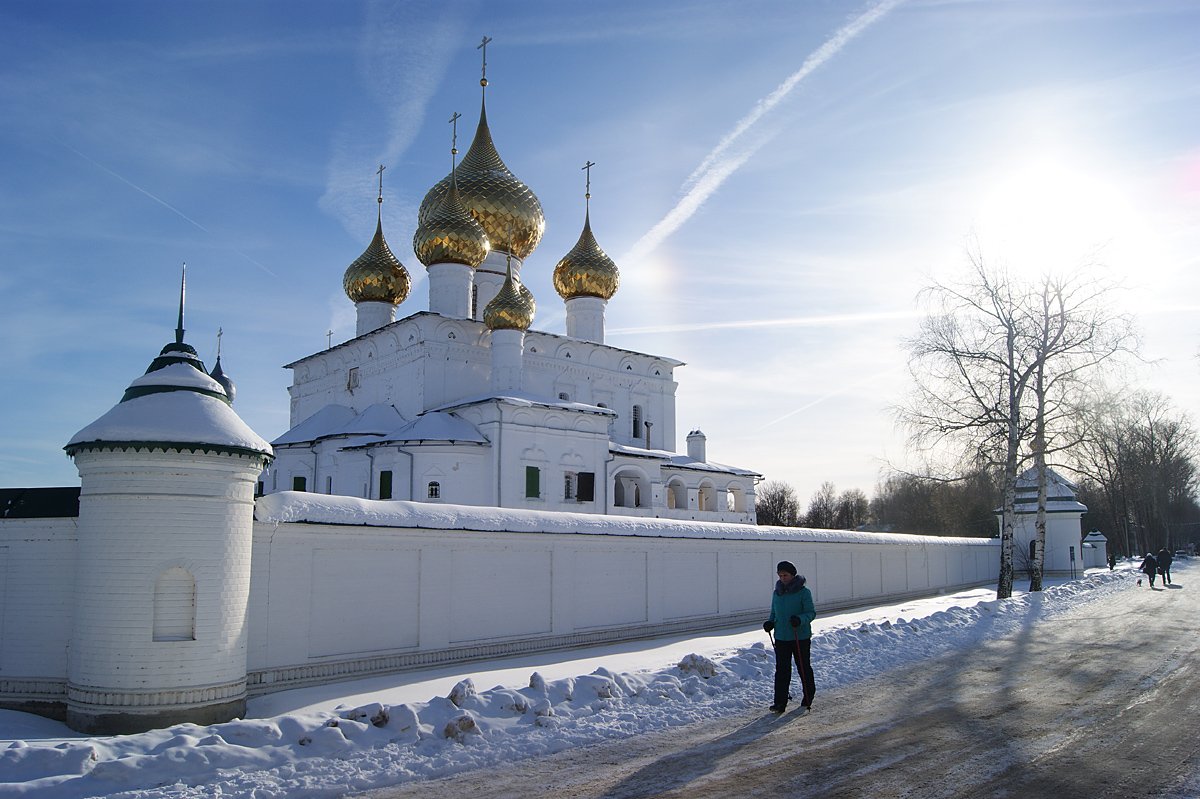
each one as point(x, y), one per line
point(777, 504)
point(1137, 467)
point(902, 504)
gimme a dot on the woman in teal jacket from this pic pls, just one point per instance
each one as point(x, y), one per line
point(792, 614)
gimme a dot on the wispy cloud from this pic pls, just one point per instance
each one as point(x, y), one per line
point(749, 324)
point(726, 158)
point(405, 51)
point(883, 377)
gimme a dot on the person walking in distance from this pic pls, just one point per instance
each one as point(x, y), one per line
point(792, 613)
point(1150, 567)
point(1164, 565)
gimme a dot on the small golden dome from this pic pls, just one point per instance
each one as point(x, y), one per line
point(509, 212)
point(586, 271)
point(377, 275)
point(451, 235)
point(512, 308)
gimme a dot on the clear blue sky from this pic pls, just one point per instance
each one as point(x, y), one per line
point(776, 181)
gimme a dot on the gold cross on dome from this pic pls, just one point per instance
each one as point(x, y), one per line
point(483, 46)
point(588, 169)
point(454, 134)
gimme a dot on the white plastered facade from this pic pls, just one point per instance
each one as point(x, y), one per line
point(442, 433)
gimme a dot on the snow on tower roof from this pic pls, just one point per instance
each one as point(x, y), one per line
point(177, 404)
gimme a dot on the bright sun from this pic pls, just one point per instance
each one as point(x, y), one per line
point(1046, 216)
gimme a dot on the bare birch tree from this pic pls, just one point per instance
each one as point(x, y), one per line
point(1072, 332)
point(996, 367)
point(970, 375)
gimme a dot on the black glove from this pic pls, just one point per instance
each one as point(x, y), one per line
point(768, 625)
point(794, 621)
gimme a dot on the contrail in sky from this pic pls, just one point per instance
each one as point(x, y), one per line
point(138, 188)
point(161, 202)
point(869, 380)
point(720, 163)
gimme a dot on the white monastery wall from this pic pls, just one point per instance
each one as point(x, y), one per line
point(37, 604)
point(329, 601)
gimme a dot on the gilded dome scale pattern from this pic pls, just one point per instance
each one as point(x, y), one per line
point(494, 196)
point(377, 275)
point(450, 235)
point(586, 271)
point(512, 308)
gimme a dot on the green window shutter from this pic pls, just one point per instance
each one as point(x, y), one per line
point(533, 481)
point(385, 484)
point(587, 486)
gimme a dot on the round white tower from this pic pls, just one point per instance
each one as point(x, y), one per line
point(165, 527)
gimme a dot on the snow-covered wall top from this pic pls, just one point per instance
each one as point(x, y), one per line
point(293, 506)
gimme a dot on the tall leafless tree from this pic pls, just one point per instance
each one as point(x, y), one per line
point(1072, 331)
point(969, 376)
point(993, 369)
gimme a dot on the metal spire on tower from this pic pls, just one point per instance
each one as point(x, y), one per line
point(182, 289)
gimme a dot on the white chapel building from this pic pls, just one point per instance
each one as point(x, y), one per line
point(467, 404)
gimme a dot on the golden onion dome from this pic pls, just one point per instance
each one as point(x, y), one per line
point(451, 235)
point(377, 275)
point(512, 308)
point(586, 271)
point(509, 212)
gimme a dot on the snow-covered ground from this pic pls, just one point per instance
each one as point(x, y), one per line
point(362, 734)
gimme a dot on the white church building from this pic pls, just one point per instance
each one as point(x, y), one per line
point(466, 403)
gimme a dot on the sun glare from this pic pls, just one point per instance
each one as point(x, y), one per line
point(1045, 216)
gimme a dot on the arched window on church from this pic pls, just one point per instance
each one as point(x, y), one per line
point(435, 490)
point(175, 605)
point(637, 422)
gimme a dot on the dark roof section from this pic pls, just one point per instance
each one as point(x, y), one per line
point(39, 503)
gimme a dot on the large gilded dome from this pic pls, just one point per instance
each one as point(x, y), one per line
point(512, 308)
point(450, 235)
point(377, 275)
point(509, 212)
point(586, 271)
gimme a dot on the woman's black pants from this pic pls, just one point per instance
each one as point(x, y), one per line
point(785, 653)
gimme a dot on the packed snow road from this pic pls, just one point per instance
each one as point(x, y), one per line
point(1099, 701)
